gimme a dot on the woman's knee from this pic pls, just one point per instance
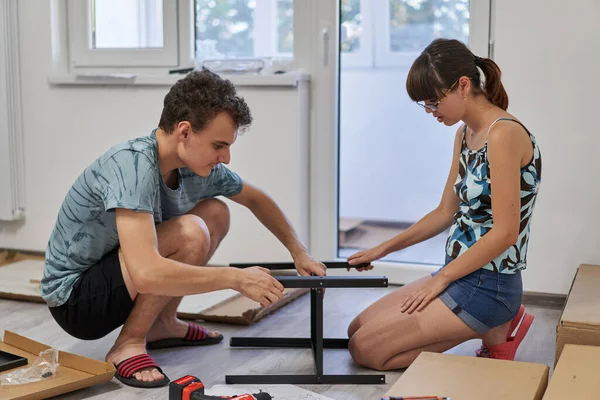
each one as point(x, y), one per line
point(354, 326)
point(362, 351)
point(194, 240)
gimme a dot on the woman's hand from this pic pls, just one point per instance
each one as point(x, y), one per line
point(366, 257)
point(422, 296)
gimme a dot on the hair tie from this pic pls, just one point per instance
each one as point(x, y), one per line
point(478, 61)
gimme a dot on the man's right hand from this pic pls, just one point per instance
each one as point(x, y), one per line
point(257, 284)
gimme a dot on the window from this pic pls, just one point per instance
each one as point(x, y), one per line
point(138, 24)
point(356, 28)
point(244, 28)
point(170, 33)
point(407, 26)
point(390, 33)
point(123, 33)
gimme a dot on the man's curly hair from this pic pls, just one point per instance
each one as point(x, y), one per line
point(199, 98)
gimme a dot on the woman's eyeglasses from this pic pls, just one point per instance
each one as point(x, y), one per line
point(434, 106)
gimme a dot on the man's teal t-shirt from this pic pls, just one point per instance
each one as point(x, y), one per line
point(126, 176)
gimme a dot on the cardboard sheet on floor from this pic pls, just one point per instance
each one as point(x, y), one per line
point(20, 277)
point(74, 372)
point(234, 309)
point(579, 322)
point(576, 375)
point(471, 378)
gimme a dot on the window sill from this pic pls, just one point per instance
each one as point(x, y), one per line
point(290, 79)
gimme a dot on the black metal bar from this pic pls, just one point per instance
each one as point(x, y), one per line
point(332, 281)
point(269, 342)
point(328, 343)
point(306, 379)
point(335, 343)
point(289, 265)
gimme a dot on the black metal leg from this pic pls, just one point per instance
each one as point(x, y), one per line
point(317, 329)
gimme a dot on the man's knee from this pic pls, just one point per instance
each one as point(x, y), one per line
point(194, 241)
point(216, 215)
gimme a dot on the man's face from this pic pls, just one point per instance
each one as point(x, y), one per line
point(201, 151)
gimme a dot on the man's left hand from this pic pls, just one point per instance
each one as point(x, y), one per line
point(307, 266)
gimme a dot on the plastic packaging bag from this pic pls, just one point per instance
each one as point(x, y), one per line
point(44, 366)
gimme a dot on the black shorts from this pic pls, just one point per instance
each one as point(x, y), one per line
point(99, 302)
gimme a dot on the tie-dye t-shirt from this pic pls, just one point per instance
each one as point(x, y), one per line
point(474, 218)
point(126, 176)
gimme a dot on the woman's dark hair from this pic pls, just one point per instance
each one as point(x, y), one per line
point(199, 98)
point(446, 60)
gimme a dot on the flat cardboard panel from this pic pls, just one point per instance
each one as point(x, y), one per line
point(581, 309)
point(196, 304)
point(471, 378)
point(8, 257)
point(240, 310)
point(74, 372)
point(19, 280)
point(577, 374)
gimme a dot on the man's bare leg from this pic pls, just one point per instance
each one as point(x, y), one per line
point(185, 239)
point(215, 215)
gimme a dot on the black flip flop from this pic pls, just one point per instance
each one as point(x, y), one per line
point(128, 367)
point(196, 336)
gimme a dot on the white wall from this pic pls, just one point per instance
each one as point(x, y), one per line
point(66, 128)
point(547, 51)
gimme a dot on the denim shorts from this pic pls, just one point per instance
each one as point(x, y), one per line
point(484, 299)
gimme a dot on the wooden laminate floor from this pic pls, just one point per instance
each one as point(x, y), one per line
point(212, 363)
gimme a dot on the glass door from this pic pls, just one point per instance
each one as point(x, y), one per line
point(393, 157)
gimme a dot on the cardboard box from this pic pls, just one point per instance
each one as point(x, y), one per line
point(74, 372)
point(577, 374)
point(579, 322)
point(471, 378)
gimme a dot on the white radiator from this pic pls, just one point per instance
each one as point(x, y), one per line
point(12, 190)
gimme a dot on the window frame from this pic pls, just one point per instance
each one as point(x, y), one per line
point(83, 56)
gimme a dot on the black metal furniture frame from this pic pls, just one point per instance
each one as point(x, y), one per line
point(317, 284)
